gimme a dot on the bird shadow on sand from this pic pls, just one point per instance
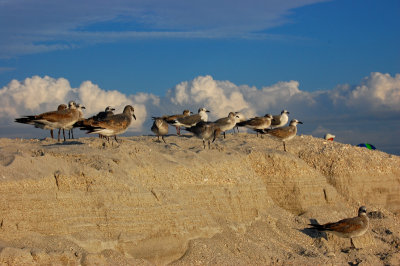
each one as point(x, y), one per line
point(313, 233)
point(64, 143)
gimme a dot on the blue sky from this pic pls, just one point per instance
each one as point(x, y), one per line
point(151, 47)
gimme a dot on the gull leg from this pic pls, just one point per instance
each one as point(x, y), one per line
point(209, 144)
point(64, 135)
point(204, 144)
point(163, 139)
point(59, 131)
point(284, 146)
point(51, 133)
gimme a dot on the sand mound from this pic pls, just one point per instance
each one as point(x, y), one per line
point(245, 201)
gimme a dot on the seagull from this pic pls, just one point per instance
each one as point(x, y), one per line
point(170, 119)
point(241, 118)
point(99, 117)
point(112, 125)
point(283, 133)
point(227, 123)
point(61, 119)
point(192, 120)
point(79, 107)
point(205, 131)
point(280, 120)
point(347, 228)
point(160, 128)
point(257, 123)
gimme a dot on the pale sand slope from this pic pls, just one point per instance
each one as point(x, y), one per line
point(244, 202)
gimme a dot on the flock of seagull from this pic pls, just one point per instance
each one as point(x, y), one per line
point(107, 124)
point(205, 130)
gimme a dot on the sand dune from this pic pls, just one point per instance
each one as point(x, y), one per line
point(244, 201)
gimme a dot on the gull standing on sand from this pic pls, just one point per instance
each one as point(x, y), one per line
point(257, 123)
point(280, 120)
point(61, 119)
point(27, 120)
point(192, 120)
point(205, 131)
point(347, 228)
point(71, 128)
point(99, 117)
point(170, 119)
point(227, 123)
point(241, 118)
point(112, 125)
point(160, 128)
point(283, 133)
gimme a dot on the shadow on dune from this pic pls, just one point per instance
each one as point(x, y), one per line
point(64, 143)
point(313, 233)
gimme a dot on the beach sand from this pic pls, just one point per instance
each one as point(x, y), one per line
point(243, 202)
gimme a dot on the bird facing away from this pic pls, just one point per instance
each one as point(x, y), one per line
point(61, 119)
point(347, 228)
point(205, 131)
point(192, 120)
point(160, 128)
point(257, 123)
point(227, 123)
point(112, 125)
point(283, 133)
point(62, 106)
point(280, 120)
point(170, 119)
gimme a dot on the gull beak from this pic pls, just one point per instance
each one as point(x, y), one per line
point(299, 122)
point(207, 111)
point(134, 116)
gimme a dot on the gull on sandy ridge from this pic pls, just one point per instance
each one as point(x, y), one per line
point(205, 131)
point(280, 120)
point(283, 133)
point(257, 123)
point(347, 228)
point(227, 123)
point(112, 125)
point(192, 120)
point(170, 119)
point(160, 127)
point(241, 118)
point(61, 119)
point(99, 117)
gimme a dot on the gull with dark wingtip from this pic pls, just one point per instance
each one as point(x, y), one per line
point(192, 120)
point(170, 119)
point(257, 123)
point(280, 120)
point(205, 131)
point(61, 119)
point(109, 111)
point(113, 125)
point(347, 228)
point(227, 123)
point(283, 133)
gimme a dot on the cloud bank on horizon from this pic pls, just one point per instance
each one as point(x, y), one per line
point(368, 110)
